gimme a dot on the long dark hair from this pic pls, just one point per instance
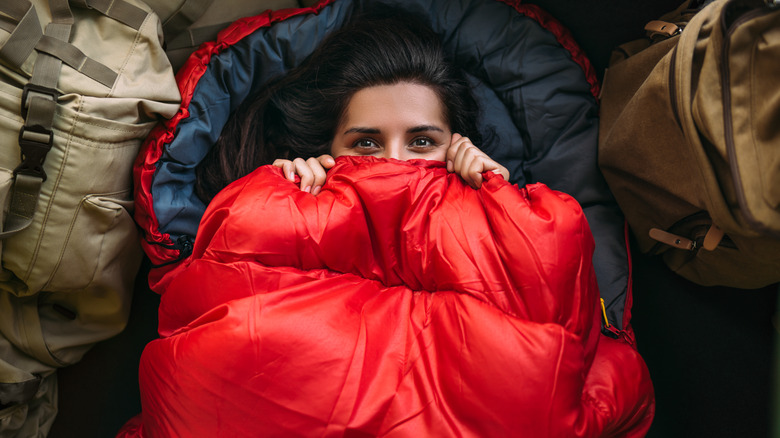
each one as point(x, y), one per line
point(298, 114)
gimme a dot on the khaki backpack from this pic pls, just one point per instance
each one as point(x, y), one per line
point(690, 141)
point(81, 85)
point(188, 23)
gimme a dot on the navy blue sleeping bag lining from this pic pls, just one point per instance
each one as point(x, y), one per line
point(539, 117)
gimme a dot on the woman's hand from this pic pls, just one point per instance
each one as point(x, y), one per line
point(312, 172)
point(470, 162)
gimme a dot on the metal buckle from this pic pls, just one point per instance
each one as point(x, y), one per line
point(51, 93)
point(35, 142)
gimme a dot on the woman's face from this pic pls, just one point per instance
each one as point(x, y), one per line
point(402, 121)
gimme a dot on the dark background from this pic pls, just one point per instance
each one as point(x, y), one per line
point(710, 350)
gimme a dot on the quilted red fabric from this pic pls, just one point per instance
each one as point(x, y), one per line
point(397, 302)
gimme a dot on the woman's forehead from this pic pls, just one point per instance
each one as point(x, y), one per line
point(401, 104)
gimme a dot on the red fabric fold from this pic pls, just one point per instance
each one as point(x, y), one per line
point(397, 302)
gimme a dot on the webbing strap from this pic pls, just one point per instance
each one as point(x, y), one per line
point(40, 110)
point(25, 32)
point(187, 14)
point(23, 201)
point(16, 8)
point(119, 10)
point(7, 23)
point(60, 12)
point(194, 37)
point(76, 59)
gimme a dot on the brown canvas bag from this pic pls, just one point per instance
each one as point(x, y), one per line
point(690, 141)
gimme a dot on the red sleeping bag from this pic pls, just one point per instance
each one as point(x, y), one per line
point(397, 302)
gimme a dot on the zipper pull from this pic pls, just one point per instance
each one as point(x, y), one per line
point(672, 239)
point(607, 329)
point(184, 244)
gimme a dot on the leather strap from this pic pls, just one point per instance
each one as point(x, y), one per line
point(670, 239)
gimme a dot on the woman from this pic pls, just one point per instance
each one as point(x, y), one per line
point(380, 86)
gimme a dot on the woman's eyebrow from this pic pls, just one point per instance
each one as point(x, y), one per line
point(413, 130)
point(359, 130)
point(424, 128)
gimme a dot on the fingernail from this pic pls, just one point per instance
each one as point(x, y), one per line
point(316, 190)
point(291, 176)
point(307, 189)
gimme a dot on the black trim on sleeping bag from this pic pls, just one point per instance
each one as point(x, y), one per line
point(535, 99)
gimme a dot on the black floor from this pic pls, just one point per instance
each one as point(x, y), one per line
point(710, 351)
point(100, 393)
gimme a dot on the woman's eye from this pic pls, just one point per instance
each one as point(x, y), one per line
point(365, 143)
point(423, 142)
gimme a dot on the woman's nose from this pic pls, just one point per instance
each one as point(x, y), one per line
point(394, 150)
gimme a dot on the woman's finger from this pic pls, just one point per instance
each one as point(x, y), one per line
point(287, 168)
point(463, 149)
point(318, 170)
point(501, 170)
point(326, 161)
point(471, 167)
point(452, 151)
point(468, 161)
point(474, 171)
point(305, 173)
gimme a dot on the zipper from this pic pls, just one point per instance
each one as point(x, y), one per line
point(184, 244)
point(608, 329)
point(614, 333)
point(728, 129)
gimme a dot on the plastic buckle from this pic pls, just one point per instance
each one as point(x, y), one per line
point(35, 142)
point(51, 93)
